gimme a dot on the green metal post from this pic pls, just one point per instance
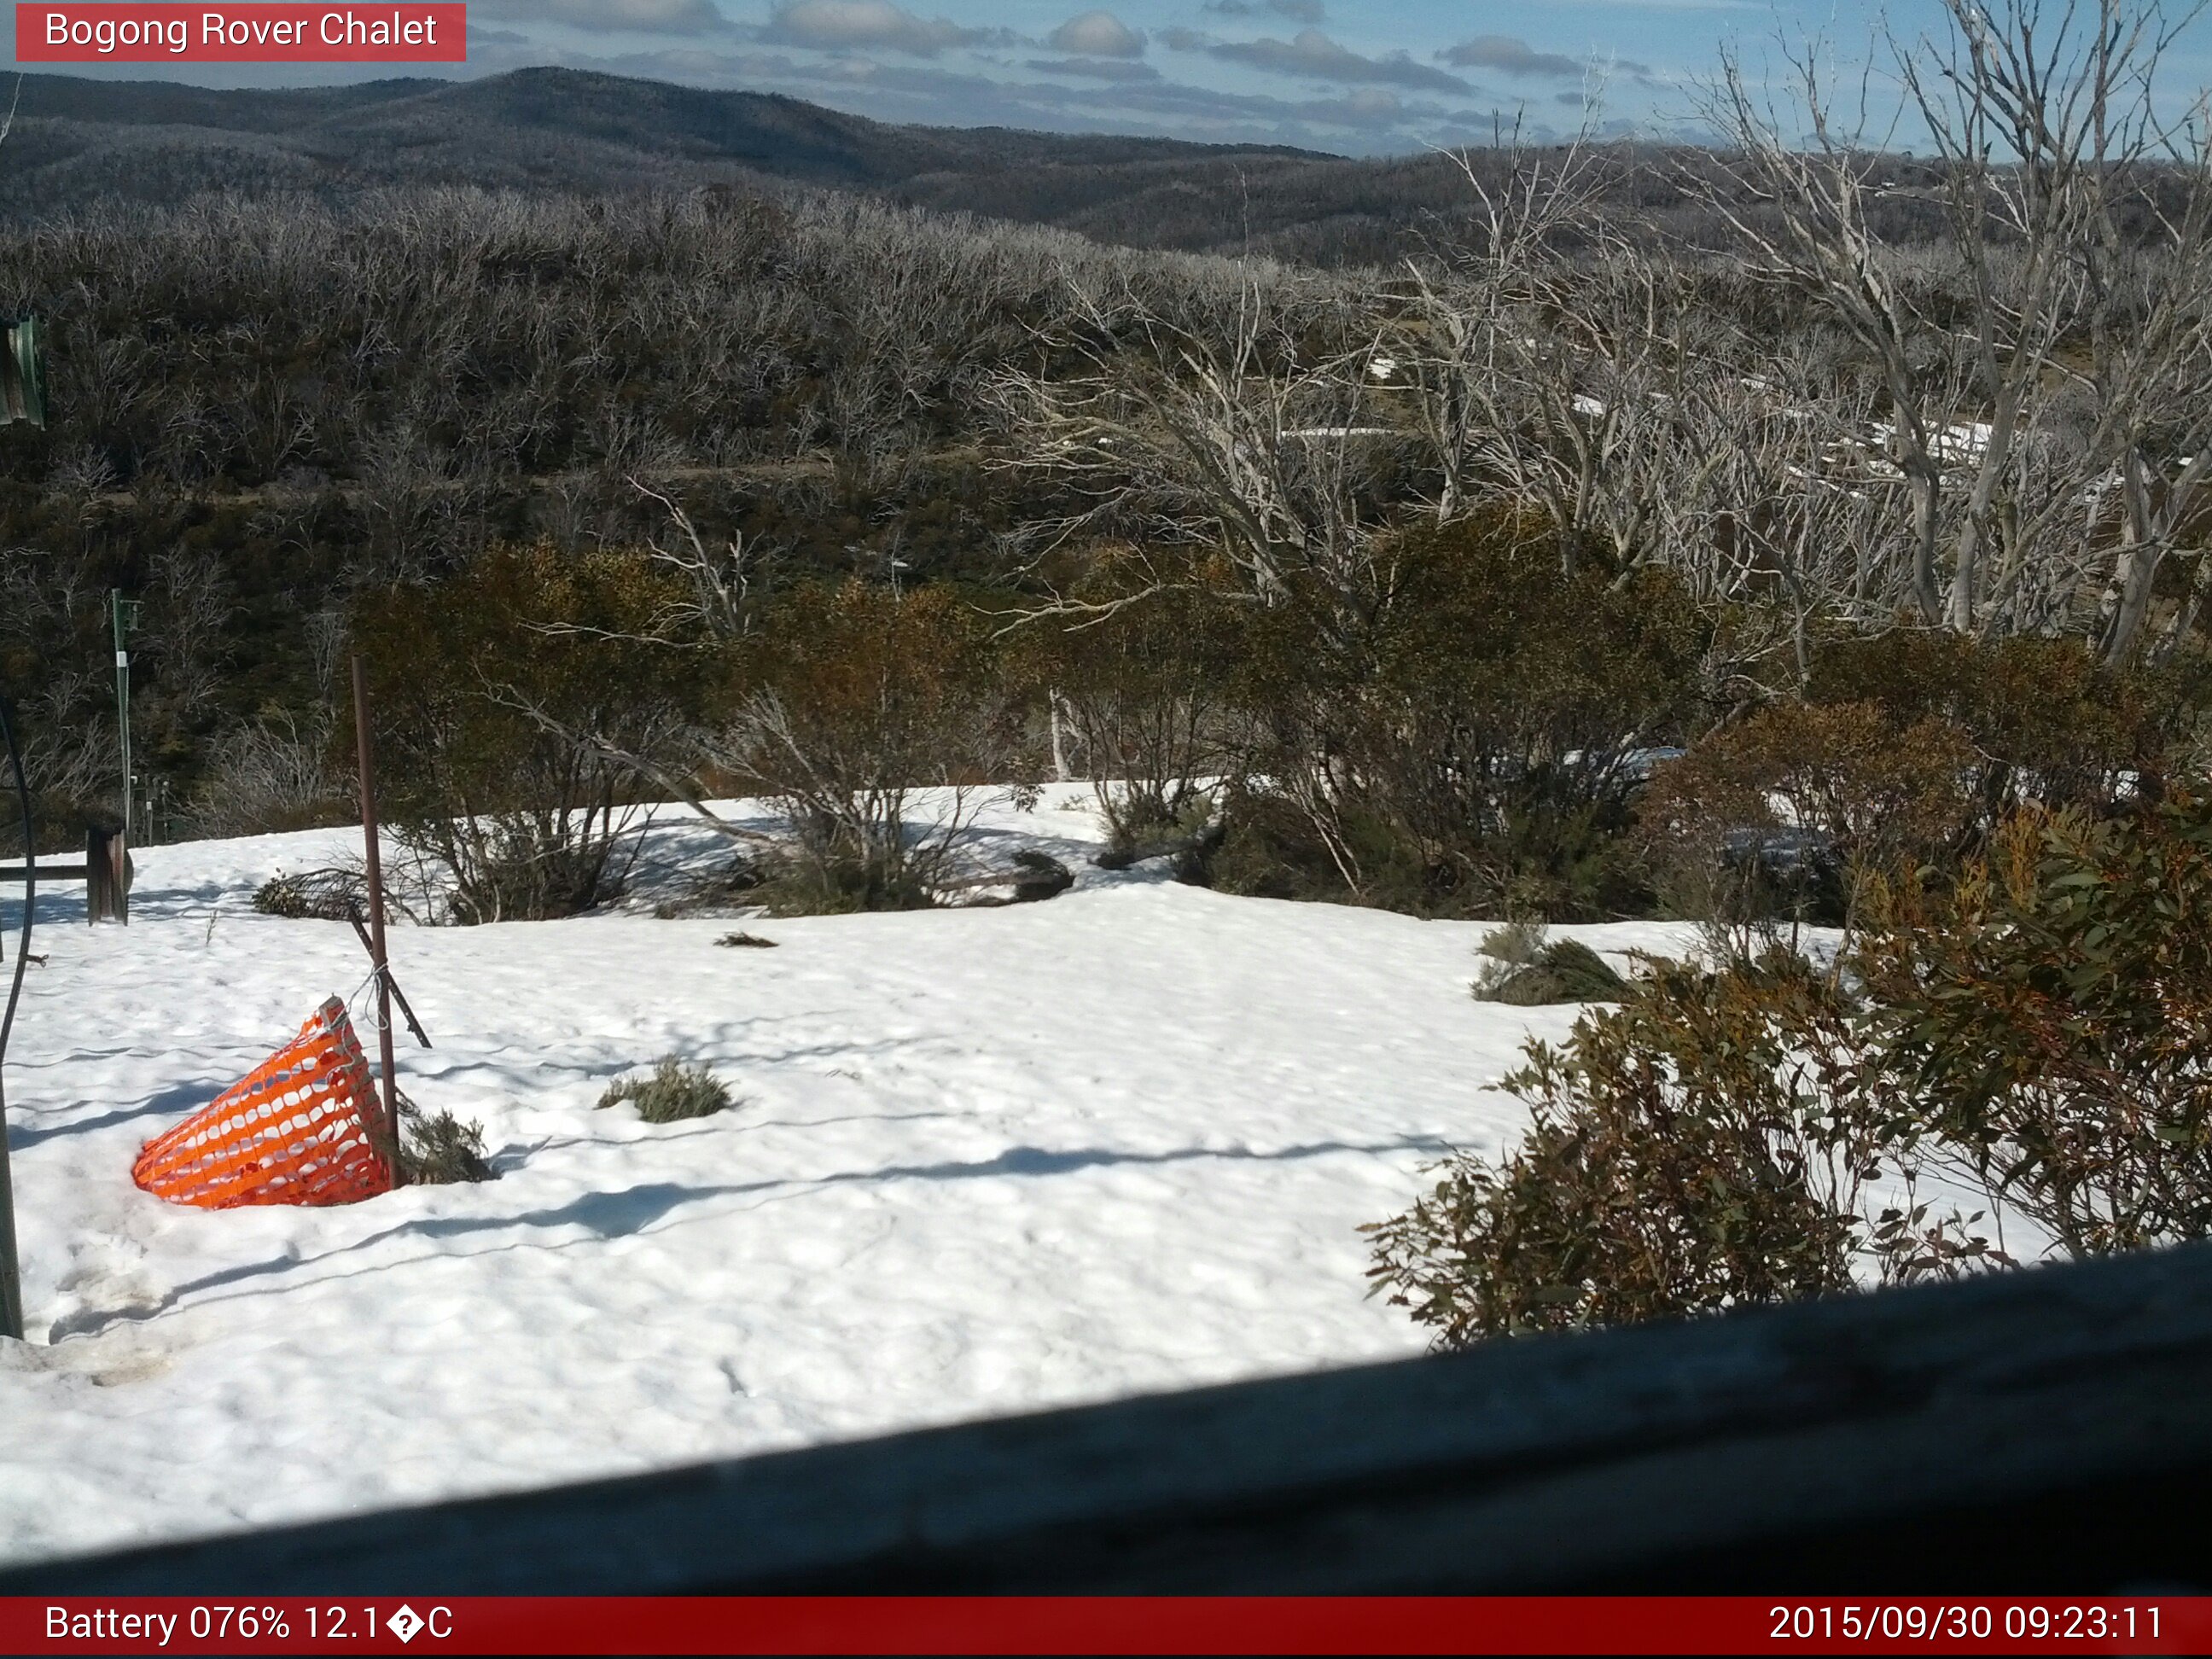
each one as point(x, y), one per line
point(125, 613)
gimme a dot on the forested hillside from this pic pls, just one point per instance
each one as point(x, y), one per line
point(1335, 519)
point(79, 143)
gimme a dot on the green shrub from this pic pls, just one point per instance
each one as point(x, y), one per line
point(506, 699)
point(437, 1149)
point(811, 881)
point(1465, 743)
point(1693, 1151)
point(1515, 943)
point(672, 1093)
point(1191, 838)
point(853, 697)
point(1527, 971)
point(1771, 815)
point(2048, 1012)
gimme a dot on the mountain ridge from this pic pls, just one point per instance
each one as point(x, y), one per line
point(81, 144)
point(461, 127)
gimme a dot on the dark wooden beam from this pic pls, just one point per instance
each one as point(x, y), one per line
point(15, 873)
point(2046, 1431)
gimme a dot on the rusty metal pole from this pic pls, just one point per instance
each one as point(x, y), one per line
point(376, 952)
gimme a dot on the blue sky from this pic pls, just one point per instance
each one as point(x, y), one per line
point(1359, 77)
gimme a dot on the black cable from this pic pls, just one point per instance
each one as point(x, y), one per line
point(11, 1288)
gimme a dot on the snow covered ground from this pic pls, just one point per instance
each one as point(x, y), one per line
point(983, 1161)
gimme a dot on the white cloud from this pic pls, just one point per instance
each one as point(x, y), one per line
point(848, 25)
point(1298, 11)
point(611, 16)
point(1095, 69)
point(1509, 54)
point(1314, 56)
point(1097, 34)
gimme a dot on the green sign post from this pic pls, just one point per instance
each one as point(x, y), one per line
point(127, 620)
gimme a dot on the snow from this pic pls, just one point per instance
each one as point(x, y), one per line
point(984, 1161)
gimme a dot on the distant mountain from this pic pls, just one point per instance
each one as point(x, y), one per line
point(77, 143)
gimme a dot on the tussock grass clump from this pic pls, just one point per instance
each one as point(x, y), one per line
point(673, 1092)
point(745, 942)
point(1525, 971)
point(312, 896)
point(437, 1149)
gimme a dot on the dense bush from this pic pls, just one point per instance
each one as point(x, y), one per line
point(1470, 744)
point(1700, 1148)
point(509, 701)
point(2046, 723)
point(2048, 1012)
point(855, 697)
point(1135, 668)
point(1776, 813)
point(1907, 749)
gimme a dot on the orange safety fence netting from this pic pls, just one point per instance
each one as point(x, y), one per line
point(303, 1127)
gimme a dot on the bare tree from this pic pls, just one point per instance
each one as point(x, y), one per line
point(1235, 441)
point(190, 612)
point(273, 775)
point(2060, 364)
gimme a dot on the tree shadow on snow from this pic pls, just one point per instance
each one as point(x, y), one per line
point(632, 1210)
point(181, 1099)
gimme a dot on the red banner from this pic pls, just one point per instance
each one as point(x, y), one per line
point(73, 32)
point(1105, 1624)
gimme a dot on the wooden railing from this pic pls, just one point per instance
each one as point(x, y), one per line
point(106, 873)
point(2047, 1431)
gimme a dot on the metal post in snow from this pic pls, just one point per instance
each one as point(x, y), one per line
point(23, 398)
point(376, 952)
point(11, 1284)
point(125, 613)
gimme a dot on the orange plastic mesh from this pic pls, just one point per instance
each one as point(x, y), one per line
point(297, 1130)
